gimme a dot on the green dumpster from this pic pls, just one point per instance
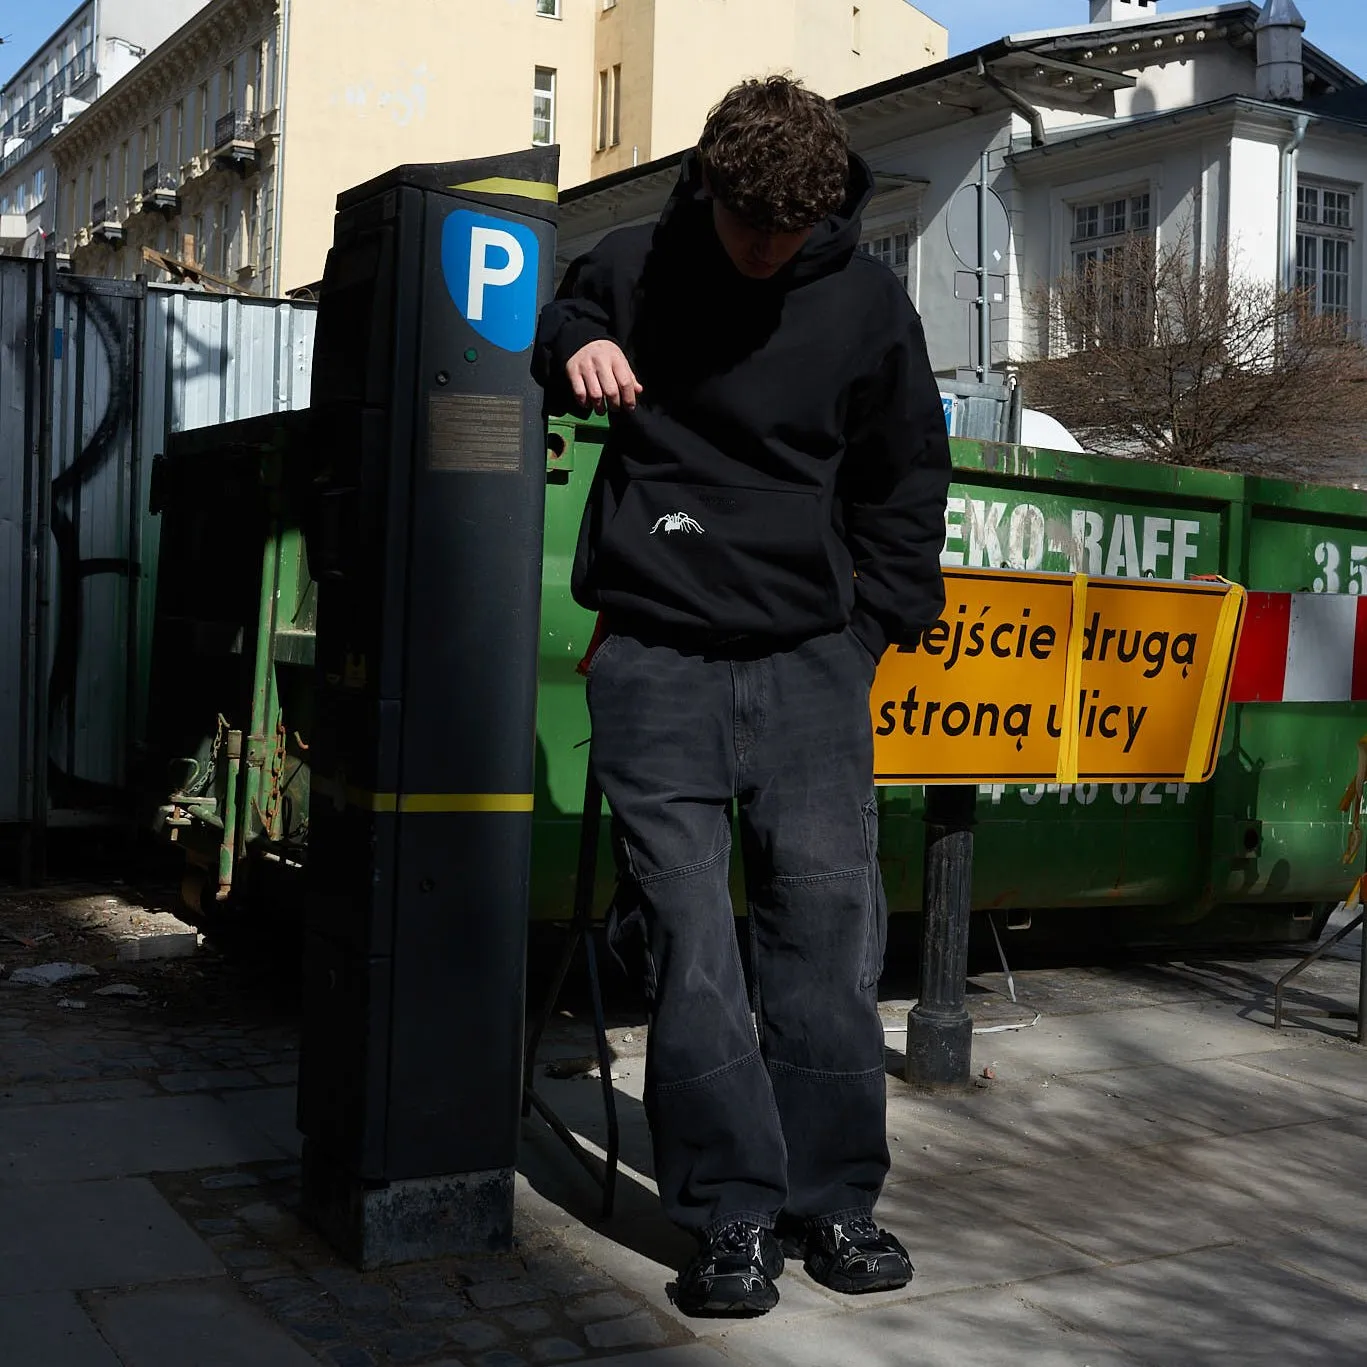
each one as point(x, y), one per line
point(1256, 854)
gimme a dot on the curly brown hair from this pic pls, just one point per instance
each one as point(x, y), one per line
point(776, 154)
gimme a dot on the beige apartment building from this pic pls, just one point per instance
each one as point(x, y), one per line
point(223, 151)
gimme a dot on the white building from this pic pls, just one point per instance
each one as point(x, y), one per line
point(88, 54)
point(1219, 121)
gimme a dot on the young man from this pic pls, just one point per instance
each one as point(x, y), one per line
point(767, 518)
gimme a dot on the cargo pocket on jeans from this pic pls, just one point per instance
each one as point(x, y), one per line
point(875, 902)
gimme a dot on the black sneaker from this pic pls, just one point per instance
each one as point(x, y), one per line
point(855, 1256)
point(733, 1273)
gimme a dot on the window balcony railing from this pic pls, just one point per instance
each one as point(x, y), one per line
point(160, 188)
point(235, 135)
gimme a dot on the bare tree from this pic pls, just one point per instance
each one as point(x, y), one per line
point(1200, 364)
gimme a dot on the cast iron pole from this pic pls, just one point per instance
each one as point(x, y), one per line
point(939, 1028)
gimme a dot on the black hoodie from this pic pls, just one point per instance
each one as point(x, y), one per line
point(785, 470)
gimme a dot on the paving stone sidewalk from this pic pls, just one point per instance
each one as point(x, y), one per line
point(149, 1189)
point(1149, 1176)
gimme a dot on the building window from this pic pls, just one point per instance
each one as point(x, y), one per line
point(125, 173)
point(609, 107)
point(1098, 228)
point(1324, 248)
point(203, 106)
point(227, 90)
point(543, 107)
point(893, 249)
point(255, 99)
point(224, 240)
point(548, 9)
point(178, 147)
point(253, 228)
point(39, 186)
point(1112, 261)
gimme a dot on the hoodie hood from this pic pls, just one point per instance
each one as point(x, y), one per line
point(688, 214)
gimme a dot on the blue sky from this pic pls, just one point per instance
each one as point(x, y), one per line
point(24, 24)
point(971, 23)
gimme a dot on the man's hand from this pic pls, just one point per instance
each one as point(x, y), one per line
point(601, 377)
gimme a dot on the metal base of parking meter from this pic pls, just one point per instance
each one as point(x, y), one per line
point(939, 1028)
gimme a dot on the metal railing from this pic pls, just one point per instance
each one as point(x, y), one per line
point(157, 177)
point(234, 126)
point(49, 94)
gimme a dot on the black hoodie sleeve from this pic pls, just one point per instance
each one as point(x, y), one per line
point(580, 313)
point(895, 479)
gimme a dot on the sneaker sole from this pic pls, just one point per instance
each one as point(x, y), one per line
point(849, 1286)
point(747, 1306)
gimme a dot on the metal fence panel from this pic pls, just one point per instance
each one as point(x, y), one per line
point(132, 364)
point(19, 287)
point(93, 465)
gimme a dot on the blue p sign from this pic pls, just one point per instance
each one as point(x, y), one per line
point(491, 267)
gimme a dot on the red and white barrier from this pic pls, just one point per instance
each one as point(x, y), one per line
point(1302, 647)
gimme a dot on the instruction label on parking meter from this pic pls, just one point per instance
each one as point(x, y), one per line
point(1029, 677)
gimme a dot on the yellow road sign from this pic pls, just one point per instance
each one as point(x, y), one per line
point(1031, 677)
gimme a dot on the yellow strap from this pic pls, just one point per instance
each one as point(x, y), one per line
point(1070, 723)
point(1210, 709)
point(504, 185)
point(366, 801)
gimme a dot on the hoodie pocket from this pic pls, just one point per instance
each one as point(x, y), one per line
point(736, 559)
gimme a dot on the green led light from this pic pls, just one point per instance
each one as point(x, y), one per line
point(471, 354)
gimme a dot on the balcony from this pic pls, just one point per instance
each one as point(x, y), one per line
point(160, 193)
point(104, 224)
point(51, 93)
point(235, 137)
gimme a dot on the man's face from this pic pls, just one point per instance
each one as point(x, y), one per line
point(755, 253)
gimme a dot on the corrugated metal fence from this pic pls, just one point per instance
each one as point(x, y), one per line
point(131, 363)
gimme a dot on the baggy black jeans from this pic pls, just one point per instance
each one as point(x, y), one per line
point(782, 1113)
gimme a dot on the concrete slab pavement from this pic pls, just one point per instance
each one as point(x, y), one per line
point(1210, 1308)
point(67, 1236)
point(50, 1327)
point(82, 1141)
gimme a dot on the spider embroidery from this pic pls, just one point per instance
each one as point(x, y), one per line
point(676, 522)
